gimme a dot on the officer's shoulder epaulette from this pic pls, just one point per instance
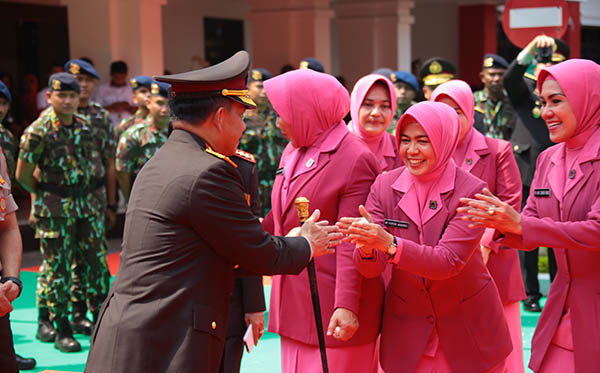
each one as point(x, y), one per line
point(530, 76)
point(220, 156)
point(477, 108)
point(245, 155)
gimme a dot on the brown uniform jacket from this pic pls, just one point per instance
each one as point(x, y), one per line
point(187, 225)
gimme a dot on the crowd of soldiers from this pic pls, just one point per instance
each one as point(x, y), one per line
point(73, 158)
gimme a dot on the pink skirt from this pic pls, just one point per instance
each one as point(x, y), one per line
point(514, 361)
point(297, 357)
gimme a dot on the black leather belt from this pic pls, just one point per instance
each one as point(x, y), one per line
point(71, 191)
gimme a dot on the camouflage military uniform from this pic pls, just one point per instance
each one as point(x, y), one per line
point(265, 141)
point(102, 131)
point(7, 142)
point(400, 109)
point(67, 207)
point(137, 145)
point(127, 123)
point(498, 117)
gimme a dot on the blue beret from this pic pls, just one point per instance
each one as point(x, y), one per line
point(63, 82)
point(385, 71)
point(312, 63)
point(406, 77)
point(259, 74)
point(160, 89)
point(5, 92)
point(77, 67)
point(141, 81)
point(493, 61)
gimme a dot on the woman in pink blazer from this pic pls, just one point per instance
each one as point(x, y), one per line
point(334, 169)
point(442, 310)
point(492, 161)
point(372, 110)
point(563, 212)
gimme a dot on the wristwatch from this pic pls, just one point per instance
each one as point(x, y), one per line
point(392, 248)
point(15, 280)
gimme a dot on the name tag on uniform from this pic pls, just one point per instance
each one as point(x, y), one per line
point(395, 223)
point(279, 171)
point(541, 192)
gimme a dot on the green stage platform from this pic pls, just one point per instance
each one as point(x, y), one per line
point(265, 358)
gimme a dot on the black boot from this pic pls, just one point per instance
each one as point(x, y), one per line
point(46, 331)
point(25, 363)
point(64, 337)
point(79, 322)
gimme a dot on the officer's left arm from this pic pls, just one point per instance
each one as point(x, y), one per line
point(24, 175)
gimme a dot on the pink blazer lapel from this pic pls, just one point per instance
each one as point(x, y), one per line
point(477, 148)
point(408, 202)
point(276, 204)
point(585, 170)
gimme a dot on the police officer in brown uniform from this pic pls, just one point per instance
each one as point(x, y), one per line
point(188, 225)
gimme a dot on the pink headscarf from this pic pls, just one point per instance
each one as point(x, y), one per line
point(579, 80)
point(309, 101)
point(442, 125)
point(461, 93)
point(361, 88)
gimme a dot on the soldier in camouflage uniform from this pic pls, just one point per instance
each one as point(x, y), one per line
point(406, 90)
point(497, 115)
point(141, 86)
point(67, 205)
point(262, 138)
point(139, 143)
point(102, 131)
point(7, 141)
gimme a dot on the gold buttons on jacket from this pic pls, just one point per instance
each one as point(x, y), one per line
point(214, 325)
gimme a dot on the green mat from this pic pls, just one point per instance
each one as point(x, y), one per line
point(265, 358)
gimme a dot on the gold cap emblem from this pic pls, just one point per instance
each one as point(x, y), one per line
point(435, 67)
point(155, 89)
point(257, 75)
point(393, 77)
point(304, 65)
point(74, 68)
point(134, 83)
point(488, 62)
point(55, 84)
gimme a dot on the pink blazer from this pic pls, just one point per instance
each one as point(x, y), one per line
point(572, 228)
point(492, 161)
point(439, 283)
point(336, 186)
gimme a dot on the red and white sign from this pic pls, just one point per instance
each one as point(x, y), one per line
point(523, 20)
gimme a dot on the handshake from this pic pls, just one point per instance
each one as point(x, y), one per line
point(360, 231)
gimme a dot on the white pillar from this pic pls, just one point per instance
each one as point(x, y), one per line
point(286, 31)
point(373, 34)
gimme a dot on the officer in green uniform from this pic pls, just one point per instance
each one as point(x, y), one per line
point(141, 86)
point(497, 115)
point(139, 143)
point(434, 72)
point(102, 131)
point(406, 86)
point(262, 137)
point(66, 207)
point(7, 141)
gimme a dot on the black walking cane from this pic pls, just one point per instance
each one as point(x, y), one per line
point(301, 204)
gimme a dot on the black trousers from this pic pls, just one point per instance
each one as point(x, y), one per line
point(529, 263)
point(8, 364)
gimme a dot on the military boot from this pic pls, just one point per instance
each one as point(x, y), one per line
point(64, 337)
point(46, 331)
point(79, 322)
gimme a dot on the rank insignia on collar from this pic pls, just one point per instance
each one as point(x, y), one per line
point(433, 204)
point(572, 174)
point(310, 162)
point(469, 161)
point(74, 68)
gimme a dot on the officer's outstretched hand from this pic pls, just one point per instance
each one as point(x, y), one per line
point(323, 237)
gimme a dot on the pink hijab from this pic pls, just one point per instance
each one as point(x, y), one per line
point(376, 142)
point(579, 80)
point(309, 101)
point(461, 93)
point(442, 125)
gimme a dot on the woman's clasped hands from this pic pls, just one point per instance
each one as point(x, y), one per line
point(364, 233)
